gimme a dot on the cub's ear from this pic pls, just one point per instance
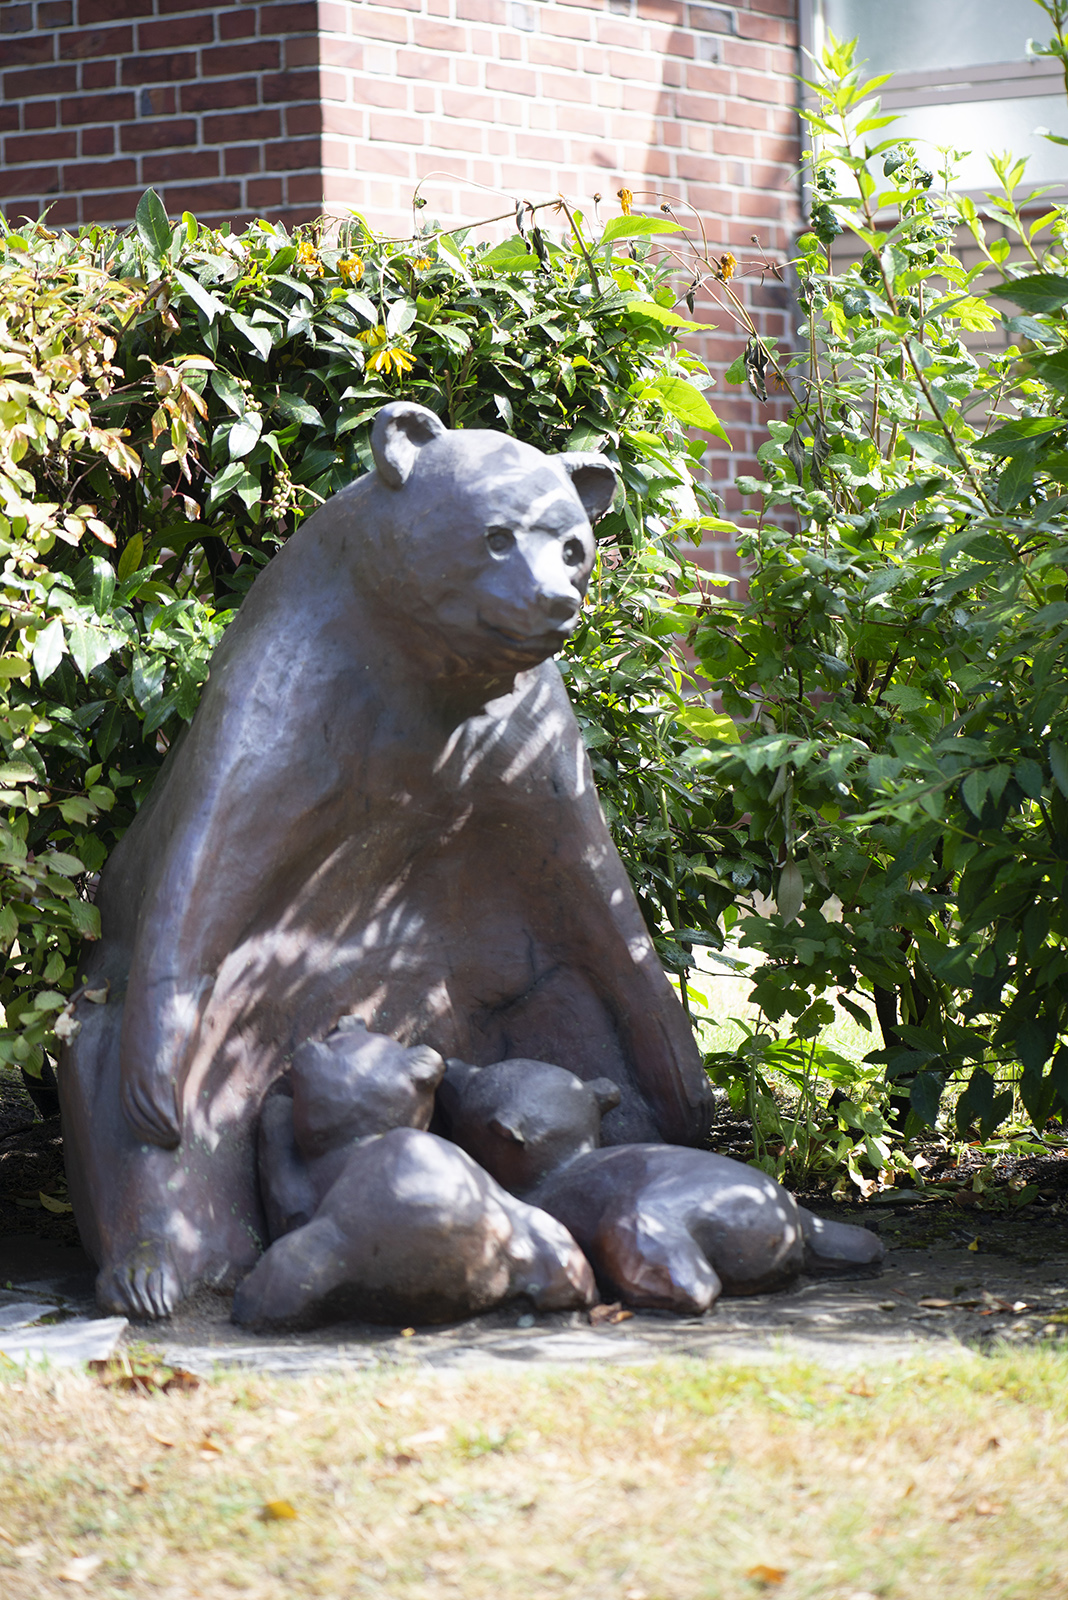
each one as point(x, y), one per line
point(605, 1092)
point(506, 1130)
point(595, 480)
point(426, 1067)
point(401, 430)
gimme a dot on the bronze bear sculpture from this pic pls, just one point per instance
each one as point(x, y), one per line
point(413, 1231)
point(382, 808)
point(349, 1086)
point(663, 1228)
point(375, 1219)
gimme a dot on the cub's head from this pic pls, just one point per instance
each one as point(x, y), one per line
point(354, 1083)
point(521, 1120)
point(488, 544)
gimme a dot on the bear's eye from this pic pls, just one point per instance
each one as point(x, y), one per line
point(574, 554)
point(500, 540)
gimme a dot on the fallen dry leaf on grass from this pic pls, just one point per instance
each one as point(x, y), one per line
point(135, 1375)
point(608, 1316)
point(862, 1389)
point(766, 1576)
point(80, 1570)
point(277, 1511)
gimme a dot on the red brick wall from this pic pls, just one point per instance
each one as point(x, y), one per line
point(283, 109)
point(688, 102)
point(215, 107)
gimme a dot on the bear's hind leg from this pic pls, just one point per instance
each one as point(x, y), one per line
point(838, 1246)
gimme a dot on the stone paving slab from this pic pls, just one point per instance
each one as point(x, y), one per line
point(934, 1295)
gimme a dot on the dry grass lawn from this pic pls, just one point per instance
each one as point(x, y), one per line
point(683, 1481)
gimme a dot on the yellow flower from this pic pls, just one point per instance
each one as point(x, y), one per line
point(422, 263)
point(626, 200)
point(308, 258)
point(373, 336)
point(391, 359)
point(351, 268)
point(727, 264)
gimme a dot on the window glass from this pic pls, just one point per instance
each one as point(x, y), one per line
point(923, 35)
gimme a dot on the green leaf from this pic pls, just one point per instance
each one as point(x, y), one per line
point(1039, 292)
point(227, 479)
point(688, 405)
point(510, 257)
point(103, 585)
point(244, 435)
point(735, 373)
point(635, 227)
point(933, 447)
point(258, 337)
point(48, 649)
point(229, 391)
point(298, 410)
point(709, 724)
point(924, 1096)
point(130, 559)
point(1019, 437)
point(146, 678)
point(205, 301)
point(400, 317)
point(152, 225)
point(14, 667)
point(670, 319)
point(910, 496)
point(791, 892)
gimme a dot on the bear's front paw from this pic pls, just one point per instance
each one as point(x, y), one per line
point(144, 1286)
point(151, 1108)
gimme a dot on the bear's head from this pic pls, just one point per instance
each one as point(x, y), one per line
point(487, 544)
point(521, 1120)
point(354, 1083)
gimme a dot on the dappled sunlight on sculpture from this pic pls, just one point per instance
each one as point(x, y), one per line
point(381, 810)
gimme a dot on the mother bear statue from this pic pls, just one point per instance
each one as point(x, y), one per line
point(382, 809)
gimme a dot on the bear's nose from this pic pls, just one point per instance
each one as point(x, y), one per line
point(559, 604)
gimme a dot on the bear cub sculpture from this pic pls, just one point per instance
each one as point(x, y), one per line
point(348, 1086)
point(373, 1218)
point(664, 1227)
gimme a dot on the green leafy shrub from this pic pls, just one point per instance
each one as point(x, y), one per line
point(174, 401)
point(897, 666)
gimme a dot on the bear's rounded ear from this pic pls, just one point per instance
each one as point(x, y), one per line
point(401, 430)
point(594, 478)
point(506, 1130)
point(605, 1092)
point(426, 1067)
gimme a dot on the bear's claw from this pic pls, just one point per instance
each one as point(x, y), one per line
point(145, 1286)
